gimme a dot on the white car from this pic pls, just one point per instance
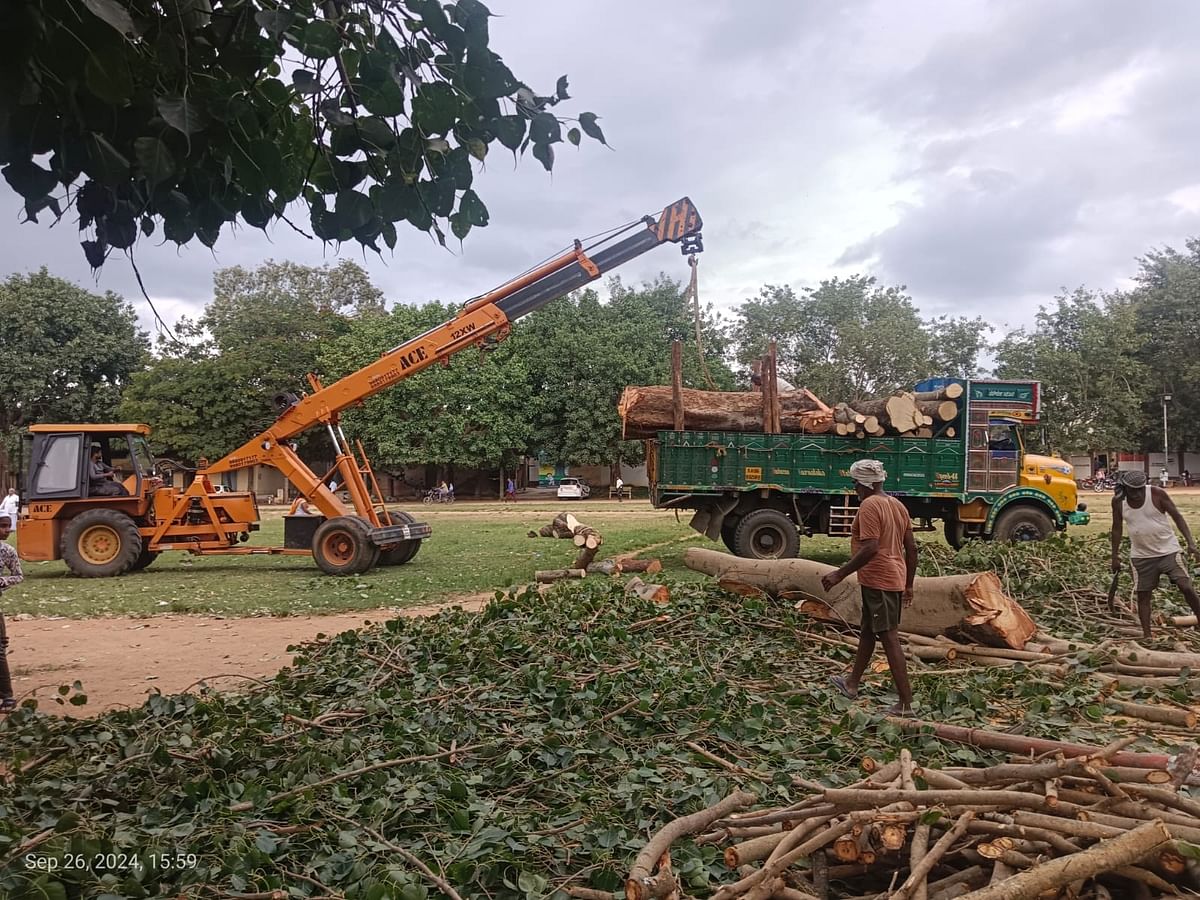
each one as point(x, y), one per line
point(573, 489)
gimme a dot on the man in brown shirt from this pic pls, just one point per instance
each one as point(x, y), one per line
point(883, 552)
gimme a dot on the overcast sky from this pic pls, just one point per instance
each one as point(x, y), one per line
point(984, 154)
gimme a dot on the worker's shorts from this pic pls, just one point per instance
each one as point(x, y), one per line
point(1148, 570)
point(880, 609)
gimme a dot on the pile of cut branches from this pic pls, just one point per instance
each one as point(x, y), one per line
point(1007, 832)
point(529, 750)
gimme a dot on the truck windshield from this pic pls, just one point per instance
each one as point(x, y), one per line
point(1001, 437)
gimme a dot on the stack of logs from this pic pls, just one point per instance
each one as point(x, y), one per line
point(588, 541)
point(1085, 825)
point(649, 409)
point(912, 413)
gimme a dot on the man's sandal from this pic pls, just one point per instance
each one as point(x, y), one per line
point(839, 682)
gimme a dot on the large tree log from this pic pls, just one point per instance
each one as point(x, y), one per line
point(951, 391)
point(973, 605)
point(647, 410)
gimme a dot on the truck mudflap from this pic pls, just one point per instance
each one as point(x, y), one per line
point(394, 534)
point(708, 521)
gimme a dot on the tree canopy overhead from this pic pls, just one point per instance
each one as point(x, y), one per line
point(197, 114)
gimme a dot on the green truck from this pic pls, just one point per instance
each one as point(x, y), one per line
point(758, 492)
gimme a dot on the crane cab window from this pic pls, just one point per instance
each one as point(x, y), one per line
point(57, 471)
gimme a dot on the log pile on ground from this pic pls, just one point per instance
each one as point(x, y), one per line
point(646, 410)
point(1005, 832)
point(588, 541)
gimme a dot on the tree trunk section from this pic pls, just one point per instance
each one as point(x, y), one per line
point(974, 605)
point(648, 410)
point(548, 576)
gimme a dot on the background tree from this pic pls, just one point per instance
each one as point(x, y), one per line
point(195, 115)
point(955, 345)
point(850, 338)
point(582, 353)
point(1085, 350)
point(261, 334)
point(1167, 307)
point(473, 413)
point(68, 353)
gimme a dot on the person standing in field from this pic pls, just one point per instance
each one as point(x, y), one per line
point(9, 561)
point(11, 506)
point(620, 490)
point(510, 491)
point(1148, 512)
point(883, 551)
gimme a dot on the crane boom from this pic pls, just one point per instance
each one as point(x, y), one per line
point(486, 317)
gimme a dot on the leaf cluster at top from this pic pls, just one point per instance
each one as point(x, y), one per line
point(196, 114)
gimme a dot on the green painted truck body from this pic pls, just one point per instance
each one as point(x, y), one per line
point(967, 480)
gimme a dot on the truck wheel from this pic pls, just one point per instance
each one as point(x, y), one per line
point(405, 550)
point(729, 531)
point(342, 546)
point(766, 534)
point(1023, 523)
point(144, 559)
point(101, 543)
point(955, 532)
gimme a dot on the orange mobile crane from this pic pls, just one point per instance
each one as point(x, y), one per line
point(105, 520)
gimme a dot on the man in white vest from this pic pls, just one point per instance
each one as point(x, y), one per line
point(1148, 513)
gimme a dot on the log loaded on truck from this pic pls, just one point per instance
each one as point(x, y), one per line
point(117, 514)
point(758, 492)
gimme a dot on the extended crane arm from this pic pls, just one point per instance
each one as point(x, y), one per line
point(487, 316)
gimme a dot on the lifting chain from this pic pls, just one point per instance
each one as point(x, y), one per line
point(693, 292)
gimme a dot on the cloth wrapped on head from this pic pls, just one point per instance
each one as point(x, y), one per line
point(868, 471)
point(1132, 478)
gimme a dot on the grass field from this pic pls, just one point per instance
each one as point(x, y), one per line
point(476, 547)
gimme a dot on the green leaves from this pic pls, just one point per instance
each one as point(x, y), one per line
point(154, 158)
point(208, 97)
point(29, 179)
point(587, 121)
point(435, 108)
point(318, 39)
point(181, 113)
point(115, 14)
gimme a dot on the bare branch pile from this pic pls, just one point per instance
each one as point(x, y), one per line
point(1014, 831)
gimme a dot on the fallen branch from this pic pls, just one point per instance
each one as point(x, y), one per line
point(641, 883)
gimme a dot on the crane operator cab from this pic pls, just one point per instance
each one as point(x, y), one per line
point(93, 493)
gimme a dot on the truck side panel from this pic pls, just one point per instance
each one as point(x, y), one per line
point(718, 462)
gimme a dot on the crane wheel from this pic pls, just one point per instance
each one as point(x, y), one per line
point(405, 550)
point(342, 546)
point(144, 559)
point(101, 543)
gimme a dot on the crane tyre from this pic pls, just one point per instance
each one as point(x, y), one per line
point(405, 550)
point(145, 558)
point(766, 534)
point(101, 543)
point(342, 546)
point(1023, 523)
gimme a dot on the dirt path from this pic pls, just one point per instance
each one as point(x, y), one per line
point(121, 660)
